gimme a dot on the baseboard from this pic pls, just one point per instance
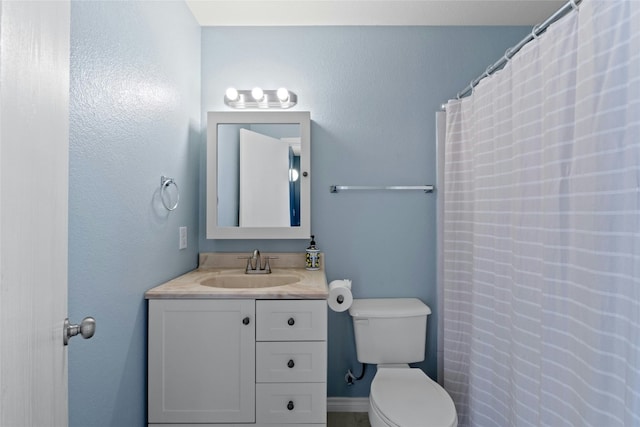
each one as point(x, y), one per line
point(347, 404)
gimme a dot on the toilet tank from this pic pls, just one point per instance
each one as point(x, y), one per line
point(389, 330)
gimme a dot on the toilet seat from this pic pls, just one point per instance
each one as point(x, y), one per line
point(409, 398)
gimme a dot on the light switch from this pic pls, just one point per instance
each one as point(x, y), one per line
point(183, 238)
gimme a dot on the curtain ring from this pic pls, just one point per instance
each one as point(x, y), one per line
point(507, 52)
point(534, 32)
point(165, 182)
point(573, 4)
point(486, 72)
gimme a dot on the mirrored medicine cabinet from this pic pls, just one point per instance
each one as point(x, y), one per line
point(258, 175)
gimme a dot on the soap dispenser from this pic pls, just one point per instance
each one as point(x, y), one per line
point(313, 255)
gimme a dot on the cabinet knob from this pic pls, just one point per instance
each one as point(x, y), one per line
point(290, 363)
point(291, 321)
point(290, 405)
point(246, 320)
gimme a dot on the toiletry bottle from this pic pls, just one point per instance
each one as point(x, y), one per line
point(313, 256)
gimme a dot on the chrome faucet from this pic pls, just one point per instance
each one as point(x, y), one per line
point(254, 264)
point(255, 260)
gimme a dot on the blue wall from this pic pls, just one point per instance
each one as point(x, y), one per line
point(372, 93)
point(135, 115)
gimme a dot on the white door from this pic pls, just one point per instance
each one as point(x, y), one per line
point(264, 181)
point(34, 139)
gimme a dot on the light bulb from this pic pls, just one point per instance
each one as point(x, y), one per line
point(257, 93)
point(232, 94)
point(283, 94)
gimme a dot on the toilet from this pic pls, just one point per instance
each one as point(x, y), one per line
point(391, 333)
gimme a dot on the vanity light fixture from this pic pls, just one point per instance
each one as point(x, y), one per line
point(283, 94)
point(232, 94)
point(257, 97)
point(257, 94)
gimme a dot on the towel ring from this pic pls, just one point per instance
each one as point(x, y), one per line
point(165, 182)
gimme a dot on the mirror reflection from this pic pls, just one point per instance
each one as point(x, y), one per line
point(259, 175)
point(258, 182)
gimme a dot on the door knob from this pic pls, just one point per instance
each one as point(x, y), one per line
point(86, 328)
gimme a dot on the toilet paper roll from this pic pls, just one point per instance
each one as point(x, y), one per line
point(340, 297)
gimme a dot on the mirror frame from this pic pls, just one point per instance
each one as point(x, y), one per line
point(215, 118)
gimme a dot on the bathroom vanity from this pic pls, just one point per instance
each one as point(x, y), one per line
point(236, 349)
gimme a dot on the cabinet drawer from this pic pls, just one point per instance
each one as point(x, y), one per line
point(291, 361)
point(290, 403)
point(291, 320)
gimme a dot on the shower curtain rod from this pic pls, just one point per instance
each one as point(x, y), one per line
point(510, 53)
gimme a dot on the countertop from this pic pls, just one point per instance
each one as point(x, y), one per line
point(312, 284)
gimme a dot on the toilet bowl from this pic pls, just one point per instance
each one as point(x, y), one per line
point(391, 333)
point(409, 398)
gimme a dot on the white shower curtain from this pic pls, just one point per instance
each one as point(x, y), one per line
point(541, 249)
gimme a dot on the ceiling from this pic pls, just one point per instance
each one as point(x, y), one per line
point(371, 12)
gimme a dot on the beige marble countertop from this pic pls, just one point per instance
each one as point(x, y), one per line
point(312, 284)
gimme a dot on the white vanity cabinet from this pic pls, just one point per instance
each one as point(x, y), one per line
point(237, 362)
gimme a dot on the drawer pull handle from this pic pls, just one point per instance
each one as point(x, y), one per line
point(290, 405)
point(290, 363)
point(291, 321)
point(246, 320)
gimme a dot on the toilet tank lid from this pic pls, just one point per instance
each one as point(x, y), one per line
point(388, 307)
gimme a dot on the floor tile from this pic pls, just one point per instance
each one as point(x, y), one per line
point(347, 419)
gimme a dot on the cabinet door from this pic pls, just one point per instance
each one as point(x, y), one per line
point(201, 361)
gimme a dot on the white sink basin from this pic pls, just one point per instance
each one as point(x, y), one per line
point(249, 281)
